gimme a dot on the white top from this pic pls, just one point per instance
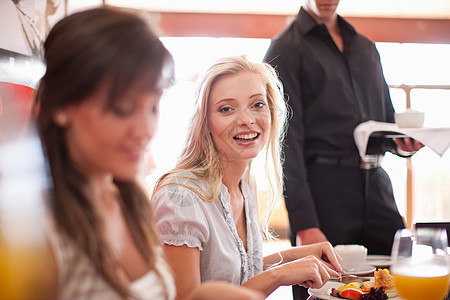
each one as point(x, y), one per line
point(183, 218)
point(79, 280)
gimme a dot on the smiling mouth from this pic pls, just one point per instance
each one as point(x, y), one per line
point(246, 137)
point(134, 153)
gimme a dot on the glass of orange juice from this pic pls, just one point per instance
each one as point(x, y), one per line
point(24, 252)
point(420, 263)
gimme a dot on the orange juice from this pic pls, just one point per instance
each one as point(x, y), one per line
point(431, 285)
point(23, 273)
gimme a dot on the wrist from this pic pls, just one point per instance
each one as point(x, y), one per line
point(275, 276)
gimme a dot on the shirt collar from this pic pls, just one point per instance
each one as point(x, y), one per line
point(307, 23)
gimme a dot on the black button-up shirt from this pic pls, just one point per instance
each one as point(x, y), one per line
point(330, 92)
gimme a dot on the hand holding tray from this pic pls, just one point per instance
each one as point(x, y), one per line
point(437, 139)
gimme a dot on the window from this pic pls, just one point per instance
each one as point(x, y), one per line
point(415, 66)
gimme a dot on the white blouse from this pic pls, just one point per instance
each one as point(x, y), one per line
point(79, 280)
point(183, 218)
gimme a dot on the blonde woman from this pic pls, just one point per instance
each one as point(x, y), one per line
point(206, 208)
point(98, 109)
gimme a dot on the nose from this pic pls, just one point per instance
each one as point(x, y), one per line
point(245, 118)
point(145, 126)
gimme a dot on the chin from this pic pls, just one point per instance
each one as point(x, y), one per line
point(248, 156)
point(126, 175)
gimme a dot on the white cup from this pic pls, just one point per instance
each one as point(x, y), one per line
point(409, 119)
point(353, 256)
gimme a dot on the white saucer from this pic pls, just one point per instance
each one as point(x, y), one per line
point(364, 269)
point(379, 261)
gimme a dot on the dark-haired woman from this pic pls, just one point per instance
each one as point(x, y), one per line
point(98, 110)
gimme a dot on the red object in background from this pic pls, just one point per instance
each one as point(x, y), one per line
point(15, 108)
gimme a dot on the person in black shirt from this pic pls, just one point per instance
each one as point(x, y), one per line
point(333, 81)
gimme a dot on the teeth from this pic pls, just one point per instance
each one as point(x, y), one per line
point(247, 136)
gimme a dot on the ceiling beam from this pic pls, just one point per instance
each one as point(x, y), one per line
point(402, 30)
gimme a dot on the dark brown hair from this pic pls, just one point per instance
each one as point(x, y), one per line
point(82, 52)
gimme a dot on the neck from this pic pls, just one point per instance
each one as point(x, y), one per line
point(232, 174)
point(329, 21)
point(104, 191)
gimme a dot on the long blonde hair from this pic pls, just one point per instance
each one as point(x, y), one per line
point(199, 155)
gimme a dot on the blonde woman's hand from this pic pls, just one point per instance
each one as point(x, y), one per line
point(326, 253)
point(309, 272)
point(323, 251)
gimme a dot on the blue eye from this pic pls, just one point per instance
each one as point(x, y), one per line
point(225, 109)
point(260, 104)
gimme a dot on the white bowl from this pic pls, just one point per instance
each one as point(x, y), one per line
point(409, 119)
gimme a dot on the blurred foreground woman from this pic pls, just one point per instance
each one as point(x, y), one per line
point(98, 110)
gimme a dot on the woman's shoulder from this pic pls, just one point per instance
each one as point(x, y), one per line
point(183, 177)
point(180, 186)
point(180, 181)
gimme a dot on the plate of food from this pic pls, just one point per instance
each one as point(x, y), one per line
point(380, 287)
point(324, 293)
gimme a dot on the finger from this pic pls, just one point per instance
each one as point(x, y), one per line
point(321, 273)
point(323, 270)
point(314, 281)
point(407, 142)
point(306, 284)
point(332, 258)
point(417, 145)
point(332, 270)
point(328, 270)
point(312, 274)
point(400, 143)
point(318, 281)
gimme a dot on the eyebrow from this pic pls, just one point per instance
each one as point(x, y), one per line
point(225, 100)
point(258, 94)
point(233, 99)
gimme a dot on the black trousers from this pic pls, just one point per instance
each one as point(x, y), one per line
point(354, 206)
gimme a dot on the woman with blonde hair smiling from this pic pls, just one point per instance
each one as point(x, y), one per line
point(206, 208)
